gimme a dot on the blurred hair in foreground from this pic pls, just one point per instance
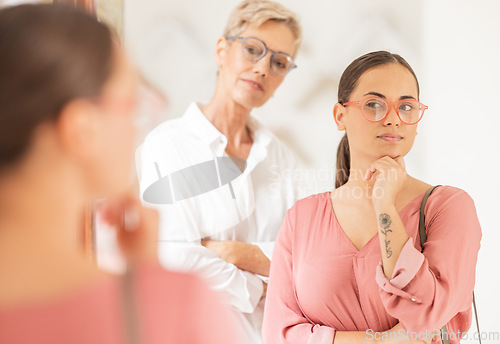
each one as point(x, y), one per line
point(49, 54)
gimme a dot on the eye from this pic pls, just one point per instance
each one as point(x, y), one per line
point(407, 107)
point(279, 64)
point(375, 104)
point(252, 51)
point(253, 48)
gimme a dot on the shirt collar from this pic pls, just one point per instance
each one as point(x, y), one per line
point(208, 133)
point(202, 127)
point(261, 139)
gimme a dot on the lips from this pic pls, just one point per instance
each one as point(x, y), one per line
point(390, 137)
point(254, 84)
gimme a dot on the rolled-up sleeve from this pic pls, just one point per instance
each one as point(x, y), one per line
point(284, 321)
point(409, 262)
point(428, 289)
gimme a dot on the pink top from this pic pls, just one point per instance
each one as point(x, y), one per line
point(173, 308)
point(320, 282)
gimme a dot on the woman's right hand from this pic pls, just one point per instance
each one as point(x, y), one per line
point(136, 227)
point(402, 336)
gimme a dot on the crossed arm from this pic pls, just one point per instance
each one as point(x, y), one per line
point(244, 256)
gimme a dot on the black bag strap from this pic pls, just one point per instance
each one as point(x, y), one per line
point(475, 314)
point(423, 239)
point(421, 223)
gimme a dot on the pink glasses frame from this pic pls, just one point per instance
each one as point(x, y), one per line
point(389, 105)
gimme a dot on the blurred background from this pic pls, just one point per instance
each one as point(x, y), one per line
point(453, 46)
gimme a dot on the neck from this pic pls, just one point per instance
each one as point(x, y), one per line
point(229, 118)
point(357, 173)
point(41, 217)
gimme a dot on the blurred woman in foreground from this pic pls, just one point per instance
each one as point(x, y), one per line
point(67, 99)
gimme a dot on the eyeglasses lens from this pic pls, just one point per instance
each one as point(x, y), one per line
point(254, 50)
point(409, 111)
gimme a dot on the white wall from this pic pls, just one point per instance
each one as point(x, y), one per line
point(454, 46)
point(461, 135)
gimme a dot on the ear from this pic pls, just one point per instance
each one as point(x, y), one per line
point(220, 51)
point(78, 129)
point(338, 116)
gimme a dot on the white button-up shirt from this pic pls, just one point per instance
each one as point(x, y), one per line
point(186, 175)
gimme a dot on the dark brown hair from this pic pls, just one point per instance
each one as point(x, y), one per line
point(49, 55)
point(347, 84)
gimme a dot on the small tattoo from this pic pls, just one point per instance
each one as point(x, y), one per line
point(385, 222)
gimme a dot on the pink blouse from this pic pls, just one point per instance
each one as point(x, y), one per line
point(320, 283)
point(173, 308)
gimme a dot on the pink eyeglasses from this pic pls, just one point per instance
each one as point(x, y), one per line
point(375, 109)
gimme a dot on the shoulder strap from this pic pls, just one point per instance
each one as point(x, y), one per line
point(475, 314)
point(421, 223)
point(423, 239)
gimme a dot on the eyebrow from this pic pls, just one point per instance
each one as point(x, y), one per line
point(376, 94)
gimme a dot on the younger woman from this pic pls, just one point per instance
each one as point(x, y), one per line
point(348, 266)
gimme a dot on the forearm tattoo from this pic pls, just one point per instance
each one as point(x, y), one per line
point(384, 221)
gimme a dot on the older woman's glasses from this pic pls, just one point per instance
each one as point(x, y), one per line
point(254, 49)
point(375, 109)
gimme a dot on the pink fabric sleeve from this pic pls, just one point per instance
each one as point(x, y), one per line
point(284, 321)
point(180, 308)
point(427, 290)
point(215, 323)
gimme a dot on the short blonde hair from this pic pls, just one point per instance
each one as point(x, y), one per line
point(256, 12)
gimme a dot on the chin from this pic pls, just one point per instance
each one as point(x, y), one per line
point(395, 154)
point(392, 153)
point(248, 100)
point(248, 103)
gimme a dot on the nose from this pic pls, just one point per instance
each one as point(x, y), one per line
point(392, 117)
point(263, 66)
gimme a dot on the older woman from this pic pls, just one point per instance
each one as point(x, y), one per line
point(214, 174)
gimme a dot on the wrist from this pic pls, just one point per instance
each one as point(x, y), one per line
point(381, 195)
point(383, 203)
point(264, 291)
